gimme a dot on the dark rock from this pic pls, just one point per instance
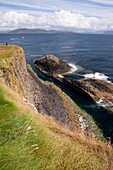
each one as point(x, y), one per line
point(52, 65)
point(98, 90)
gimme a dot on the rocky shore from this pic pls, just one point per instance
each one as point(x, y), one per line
point(100, 91)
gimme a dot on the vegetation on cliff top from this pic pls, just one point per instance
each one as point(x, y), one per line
point(30, 140)
point(13, 70)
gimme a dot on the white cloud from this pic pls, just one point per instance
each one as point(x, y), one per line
point(13, 19)
point(57, 20)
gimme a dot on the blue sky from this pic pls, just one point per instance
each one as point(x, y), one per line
point(81, 14)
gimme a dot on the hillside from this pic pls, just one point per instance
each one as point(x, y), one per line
point(32, 140)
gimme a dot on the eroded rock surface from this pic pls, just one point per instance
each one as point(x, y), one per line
point(100, 90)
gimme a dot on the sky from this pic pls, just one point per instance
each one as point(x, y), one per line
point(71, 15)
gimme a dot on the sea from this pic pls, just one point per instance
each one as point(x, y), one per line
point(90, 55)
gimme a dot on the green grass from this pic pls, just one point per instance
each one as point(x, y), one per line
point(33, 142)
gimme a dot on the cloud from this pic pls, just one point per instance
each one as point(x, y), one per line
point(63, 20)
point(13, 19)
point(97, 8)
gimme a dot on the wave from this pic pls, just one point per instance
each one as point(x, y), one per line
point(74, 67)
point(35, 55)
point(102, 103)
point(97, 75)
point(13, 39)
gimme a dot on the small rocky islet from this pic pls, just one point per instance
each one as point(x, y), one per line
point(52, 65)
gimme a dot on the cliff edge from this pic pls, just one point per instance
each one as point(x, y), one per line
point(13, 71)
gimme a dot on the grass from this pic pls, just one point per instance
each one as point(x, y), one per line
point(31, 141)
point(12, 63)
point(7, 53)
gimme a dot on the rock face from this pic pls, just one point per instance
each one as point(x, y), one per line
point(52, 65)
point(13, 71)
point(99, 90)
point(50, 100)
point(46, 99)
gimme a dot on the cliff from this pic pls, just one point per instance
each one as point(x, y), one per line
point(32, 140)
point(13, 71)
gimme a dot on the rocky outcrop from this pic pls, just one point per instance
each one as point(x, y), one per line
point(99, 90)
point(52, 65)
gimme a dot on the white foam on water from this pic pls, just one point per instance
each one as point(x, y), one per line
point(13, 39)
point(35, 55)
point(97, 75)
point(74, 67)
point(60, 76)
point(100, 101)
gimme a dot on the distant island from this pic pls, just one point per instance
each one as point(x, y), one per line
point(36, 31)
point(44, 31)
point(108, 32)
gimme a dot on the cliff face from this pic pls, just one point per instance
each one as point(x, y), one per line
point(13, 71)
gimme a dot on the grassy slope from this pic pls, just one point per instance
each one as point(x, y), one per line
point(31, 141)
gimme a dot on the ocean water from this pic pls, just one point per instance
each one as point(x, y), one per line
point(92, 54)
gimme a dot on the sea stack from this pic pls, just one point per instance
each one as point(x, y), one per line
point(52, 65)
